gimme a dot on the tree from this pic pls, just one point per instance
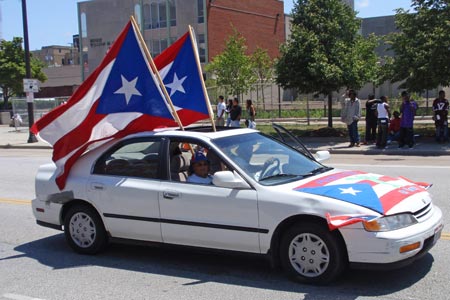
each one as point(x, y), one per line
point(325, 51)
point(262, 66)
point(12, 68)
point(422, 46)
point(232, 67)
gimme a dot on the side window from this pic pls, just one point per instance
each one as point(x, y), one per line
point(137, 158)
point(181, 155)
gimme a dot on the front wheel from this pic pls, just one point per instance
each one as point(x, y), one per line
point(84, 230)
point(310, 253)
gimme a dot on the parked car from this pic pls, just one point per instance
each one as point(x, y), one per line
point(267, 196)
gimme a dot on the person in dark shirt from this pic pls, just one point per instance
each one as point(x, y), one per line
point(440, 109)
point(371, 120)
point(235, 114)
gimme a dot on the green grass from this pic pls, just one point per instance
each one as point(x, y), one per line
point(339, 130)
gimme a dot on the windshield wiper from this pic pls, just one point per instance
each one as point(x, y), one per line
point(279, 175)
point(317, 171)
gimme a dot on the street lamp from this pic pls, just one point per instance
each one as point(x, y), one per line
point(31, 137)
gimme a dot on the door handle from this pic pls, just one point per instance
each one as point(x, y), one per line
point(170, 195)
point(97, 186)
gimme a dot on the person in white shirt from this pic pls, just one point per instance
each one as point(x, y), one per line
point(383, 116)
point(350, 115)
point(200, 167)
point(221, 107)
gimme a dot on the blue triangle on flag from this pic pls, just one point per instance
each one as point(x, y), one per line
point(360, 194)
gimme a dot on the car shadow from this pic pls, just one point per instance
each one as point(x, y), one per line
point(201, 266)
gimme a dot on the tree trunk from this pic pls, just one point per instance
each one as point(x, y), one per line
point(330, 110)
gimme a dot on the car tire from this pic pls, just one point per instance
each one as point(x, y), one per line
point(310, 253)
point(84, 230)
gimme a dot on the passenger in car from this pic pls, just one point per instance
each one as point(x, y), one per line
point(200, 167)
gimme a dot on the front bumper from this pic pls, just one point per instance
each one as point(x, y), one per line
point(381, 250)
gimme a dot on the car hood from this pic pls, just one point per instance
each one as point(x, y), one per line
point(383, 194)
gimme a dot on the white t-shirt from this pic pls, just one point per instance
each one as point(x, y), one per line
point(197, 179)
point(221, 107)
point(382, 112)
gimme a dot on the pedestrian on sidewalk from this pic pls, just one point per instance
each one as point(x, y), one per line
point(350, 115)
point(408, 111)
point(235, 114)
point(440, 117)
point(220, 121)
point(394, 128)
point(371, 120)
point(383, 115)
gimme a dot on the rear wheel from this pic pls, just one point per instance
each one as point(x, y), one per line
point(310, 253)
point(84, 230)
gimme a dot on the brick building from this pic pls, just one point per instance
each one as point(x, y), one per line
point(163, 21)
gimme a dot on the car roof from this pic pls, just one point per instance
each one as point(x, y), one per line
point(203, 132)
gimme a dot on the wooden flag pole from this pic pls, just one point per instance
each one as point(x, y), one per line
point(199, 67)
point(156, 72)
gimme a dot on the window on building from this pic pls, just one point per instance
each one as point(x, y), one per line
point(162, 14)
point(201, 47)
point(137, 14)
point(154, 14)
point(200, 12)
point(172, 13)
point(156, 50)
point(83, 25)
point(147, 17)
point(163, 45)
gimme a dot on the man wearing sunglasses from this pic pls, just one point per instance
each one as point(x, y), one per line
point(200, 169)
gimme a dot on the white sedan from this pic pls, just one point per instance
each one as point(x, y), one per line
point(266, 197)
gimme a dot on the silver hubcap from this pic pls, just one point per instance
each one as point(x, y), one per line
point(82, 230)
point(309, 255)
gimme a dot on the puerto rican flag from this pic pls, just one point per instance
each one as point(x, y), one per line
point(382, 194)
point(178, 68)
point(335, 222)
point(119, 98)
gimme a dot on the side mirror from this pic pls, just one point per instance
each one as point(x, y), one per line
point(322, 155)
point(228, 179)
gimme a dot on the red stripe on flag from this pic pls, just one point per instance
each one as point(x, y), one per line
point(143, 123)
point(328, 179)
point(78, 136)
point(396, 196)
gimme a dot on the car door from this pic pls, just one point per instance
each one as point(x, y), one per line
point(125, 187)
point(209, 216)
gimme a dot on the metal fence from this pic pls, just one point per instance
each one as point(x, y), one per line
point(41, 107)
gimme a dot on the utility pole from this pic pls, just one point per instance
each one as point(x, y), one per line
point(30, 95)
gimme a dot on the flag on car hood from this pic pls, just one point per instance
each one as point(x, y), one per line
point(119, 98)
point(376, 192)
point(178, 68)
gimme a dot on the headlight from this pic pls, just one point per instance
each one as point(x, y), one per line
point(389, 223)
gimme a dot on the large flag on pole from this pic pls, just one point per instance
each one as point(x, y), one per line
point(120, 97)
point(178, 68)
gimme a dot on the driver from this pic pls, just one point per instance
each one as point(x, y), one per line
point(200, 166)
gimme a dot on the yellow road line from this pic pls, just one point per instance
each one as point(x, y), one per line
point(15, 201)
point(445, 236)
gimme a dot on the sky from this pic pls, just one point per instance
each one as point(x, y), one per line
point(54, 22)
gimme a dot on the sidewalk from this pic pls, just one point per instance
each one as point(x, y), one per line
point(12, 139)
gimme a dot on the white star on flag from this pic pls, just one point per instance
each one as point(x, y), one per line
point(176, 85)
point(350, 190)
point(128, 88)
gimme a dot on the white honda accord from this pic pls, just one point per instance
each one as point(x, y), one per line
point(256, 194)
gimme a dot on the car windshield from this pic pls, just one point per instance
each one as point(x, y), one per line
point(266, 160)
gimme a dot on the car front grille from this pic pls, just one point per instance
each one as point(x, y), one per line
point(423, 213)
